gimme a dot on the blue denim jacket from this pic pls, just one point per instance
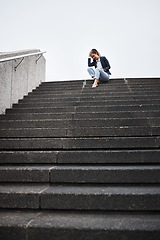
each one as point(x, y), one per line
point(104, 62)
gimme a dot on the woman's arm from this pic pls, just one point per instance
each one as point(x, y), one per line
point(91, 64)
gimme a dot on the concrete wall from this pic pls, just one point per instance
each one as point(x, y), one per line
point(14, 84)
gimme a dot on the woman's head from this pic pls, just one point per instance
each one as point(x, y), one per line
point(94, 54)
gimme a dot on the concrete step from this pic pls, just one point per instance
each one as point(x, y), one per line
point(92, 155)
point(142, 80)
point(105, 174)
point(18, 195)
point(102, 197)
point(61, 123)
point(77, 99)
point(80, 143)
point(28, 157)
point(25, 173)
point(79, 174)
point(58, 88)
point(142, 91)
point(61, 85)
point(116, 80)
point(99, 90)
point(80, 197)
point(33, 132)
point(42, 110)
point(80, 115)
point(86, 98)
point(104, 87)
point(111, 81)
point(110, 156)
point(123, 156)
point(89, 90)
point(80, 132)
point(66, 82)
point(107, 85)
point(95, 225)
point(91, 93)
point(105, 103)
point(113, 131)
point(53, 109)
point(145, 84)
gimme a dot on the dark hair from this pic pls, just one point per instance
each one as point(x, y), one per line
point(94, 51)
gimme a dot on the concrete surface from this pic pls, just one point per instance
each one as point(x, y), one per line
point(14, 84)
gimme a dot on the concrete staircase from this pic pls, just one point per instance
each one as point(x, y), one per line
point(82, 163)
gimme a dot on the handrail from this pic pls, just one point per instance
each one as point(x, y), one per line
point(20, 56)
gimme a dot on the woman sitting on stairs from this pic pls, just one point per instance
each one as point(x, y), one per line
point(101, 65)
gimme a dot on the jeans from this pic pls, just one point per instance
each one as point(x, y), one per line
point(99, 74)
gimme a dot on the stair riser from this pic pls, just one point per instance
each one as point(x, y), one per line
point(79, 123)
point(80, 132)
point(80, 143)
point(116, 203)
point(94, 234)
point(94, 175)
point(28, 157)
point(97, 174)
point(98, 98)
point(41, 110)
point(146, 107)
point(94, 92)
point(90, 90)
point(83, 115)
point(101, 202)
point(81, 157)
point(30, 201)
point(103, 87)
point(21, 175)
point(110, 156)
point(81, 201)
point(105, 100)
point(110, 83)
point(82, 94)
point(77, 104)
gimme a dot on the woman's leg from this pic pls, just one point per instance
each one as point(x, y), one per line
point(96, 77)
point(101, 75)
point(91, 72)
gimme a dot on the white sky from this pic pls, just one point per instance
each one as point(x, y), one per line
point(127, 32)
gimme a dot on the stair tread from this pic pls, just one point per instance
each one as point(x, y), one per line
point(81, 189)
point(143, 221)
point(99, 167)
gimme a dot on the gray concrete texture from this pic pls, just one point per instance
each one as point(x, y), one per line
point(15, 84)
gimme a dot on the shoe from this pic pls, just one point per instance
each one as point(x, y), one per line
point(95, 84)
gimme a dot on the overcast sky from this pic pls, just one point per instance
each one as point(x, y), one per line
point(127, 32)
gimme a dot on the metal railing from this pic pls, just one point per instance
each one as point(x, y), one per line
point(21, 56)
